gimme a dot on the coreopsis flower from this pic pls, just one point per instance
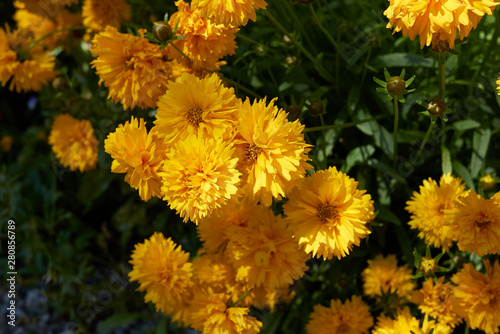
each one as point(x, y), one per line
point(214, 271)
point(498, 83)
point(37, 6)
point(264, 298)
point(476, 224)
point(229, 12)
point(26, 72)
point(404, 322)
point(196, 106)
point(352, 316)
point(487, 182)
point(98, 14)
point(437, 22)
point(437, 300)
point(74, 143)
point(199, 176)
point(139, 154)
point(163, 270)
point(477, 296)
point(205, 43)
point(135, 70)
point(272, 150)
point(328, 213)
point(383, 274)
point(209, 313)
point(427, 209)
point(264, 253)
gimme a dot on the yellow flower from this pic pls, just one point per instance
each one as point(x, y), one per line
point(139, 154)
point(74, 143)
point(328, 214)
point(478, 295)
point(487, 182)
point(229, 12)
point(214, 271)
point(264, 253)
point(196, 106)
point(205, 43)
point(272, 151)
point(162, 270)
point(47, 6)
point(214, 230)
point(404, 323)
point(31, 71)
point(437, 300)
point(209, 313)
point(135, 70)
point(476, 224)
point(436, 22)
point(353, 316)
point(6, 143)
point(383, 274)
point(98, 14)
point(498, 87)
point(427, 210)
point(199, 176)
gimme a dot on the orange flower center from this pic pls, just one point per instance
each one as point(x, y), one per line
point(482, 220)
point(326, 212)
point(252, 152)
point(193, 115)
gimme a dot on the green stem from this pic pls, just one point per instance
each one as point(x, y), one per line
point(327, 33)
point(341, 126)
point(466, 330)
point(426, 137)
point(246, 38)
point(442, 74)
point(395, 134)
point(299, 24)
point(240, 86)
point(319, 67)
point(324, 136)
point(241, 298)
point(179, 50)
point(23, 53)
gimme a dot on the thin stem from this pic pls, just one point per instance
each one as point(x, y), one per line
point(32, 45)
point(299, 24)
point(324, 136)
point(182, 53)
point(241, 298)
point(395, 133)
point(240, 86)
point(466, 330)
point(246, 38)
point(319, 67)
point(442, 74)
point(341, 126)
point(426, 137)
point(327, 33)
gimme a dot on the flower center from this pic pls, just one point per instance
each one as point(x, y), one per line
point(193, 115)
point(343, 328)
point(252, 152)
point(482, 221)
point(326, 212)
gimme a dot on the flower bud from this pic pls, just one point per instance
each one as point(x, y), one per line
point(293, 111)
point(436, 106)
point(428, 266)
point(291, 60)
point(487, 182)
point(396, 85)
point(316, 107)
point(162, 31)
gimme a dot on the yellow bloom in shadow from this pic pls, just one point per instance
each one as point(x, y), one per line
point(229, 12)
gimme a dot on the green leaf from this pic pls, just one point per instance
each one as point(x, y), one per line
point(401, 60)
point(118, 320)
point(466, 124)
point(464, 173)
point(357, 155)
point(480, 142)
point(387, 215)
point(446, 165)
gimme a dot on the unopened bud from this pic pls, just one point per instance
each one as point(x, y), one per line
point(293, 111)
point(436, 106)
point(396, 85)
point(162, 31)
point(316, 107)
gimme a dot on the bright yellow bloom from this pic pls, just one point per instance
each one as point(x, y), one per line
point(162, 270)
point(498, 87)
point(209, 313)
point(139, 154)
point(478, 295)
point(437, 21)
point(6, 143)
point(28, 73)
point(199, 176)
point(351, 317)
point(205, 43)
point(328, 214)
point(476, 224)
point(229, 12)
point(264, 253)
point(135, 70)
point(272, 150)
point(214, 230)
point(98, 14)
point(427, 209)
point(196, 106)
point(404, 323)
point(74, 143)
point(437, 300)
point(487, 182)
point(383, 274)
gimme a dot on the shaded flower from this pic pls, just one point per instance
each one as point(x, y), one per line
point(98, 14)
point(404, 322)
point(437, 22)
point(74, 143)
point(328, 213)
point(353, 316)
point(139, 154)
point(199, 176)
point(428, 207)
point(272, 151)
point(478, 295)
point(487, 182)
point(229, 12)
point(6, 143)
